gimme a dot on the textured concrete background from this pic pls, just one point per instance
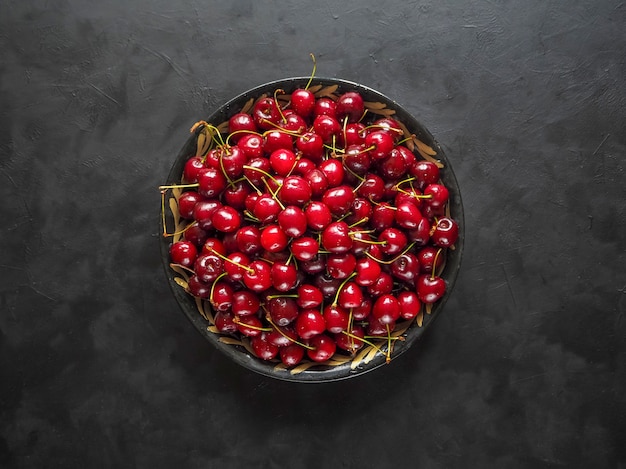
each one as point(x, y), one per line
point(525, 368)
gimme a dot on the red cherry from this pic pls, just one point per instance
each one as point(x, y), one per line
point(309, 323)
point(224, 322)
point(291, 355)
point(211, 183)
point(282, 161)
point(245, 303)
point(430, 288)
point(183, 253)
point(338, 199)
point(239, 124)
point(426, 173)
point(311, 145)
point(263, 348)
point(445, 232)
point(406, 268)
point(309, 296)
point(208, 267)
point(350, 105)
point(194, 166)
point(284, 276)
point(368, 271)
point(292, 221)
point(409, 304)
point(226, 219)
point(336, 237)
point(304, 248)
point(303, 102)
point(325, 107)
point(282, 310)
point(386, 309)
point(351, 342)
point(295, 190)
point(326, 127)
point(273, 238)
point(248, 239)
point(318, 215)
point(380, 144)
point(438, 194)
point(336, 318)
point(186, 203)
point(394, 241)
point(333, 170)
point(258, 277)
point(408, 215)
point(317, 182)
point(235, 265)
point(350, 296)
point(266, 114)
point(323, 348)
point(340, 266)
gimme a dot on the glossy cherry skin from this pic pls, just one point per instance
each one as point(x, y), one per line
point(380, 144)
point(336, 318)
point(311, 145)
point(226, 219)
point(386, 309)
point(318, 215)
point(309, 323)
point(295, 190)
point(340, 266)
point(192, 169)
point(183, 253)
point(221, 296)
point(333, 170)
point(284, 276)
point(368, 271)
point(211, 183)
point(186, 203)
point(292, 221)
point(282, 310)
point(259, 277)
point(245, 303)
point(410, 304)
point(352, 341)
point(336, 237)
point(235, 265)
point(445, 232)
point(291, 355)
point(350, 296)
point(394, 241)
point(430, 288)
point(305, 248)
point(302, 102)
point(273, 238)
point(266, 114)
point(406, 268)
point(263, 348)
point(309, 296)
point(323, 348)
point(339, 199)
point(239, 124)
point(350, 105)
point(208, 267)
point(426, 173)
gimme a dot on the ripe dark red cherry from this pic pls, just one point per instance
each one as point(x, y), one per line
point(386, 309)
point(304, 248)
point(445, 232)
point(303, 102)
point(430, 288)
point(350, 105)
point(309, 323)
point(336, 237)
point(292, 221)
point(295, 190)
point(258, 277)
point(183, 253)
point(322, 348)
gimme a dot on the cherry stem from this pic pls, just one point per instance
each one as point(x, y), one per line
point(269, 319)
point(222, 256)
point(167, 235)
point(236, 320)
point(280, 111)
point(432, 274)
point(364, 340)
point(362, 220)
point(343, 284)
point(407, 249)
point(220, 276)
point(313, 72)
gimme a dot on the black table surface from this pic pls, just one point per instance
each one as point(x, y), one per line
point(526, 366)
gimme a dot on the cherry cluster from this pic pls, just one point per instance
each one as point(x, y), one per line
point(311, 227)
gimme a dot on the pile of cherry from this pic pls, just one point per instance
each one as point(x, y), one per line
point(311, 228)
